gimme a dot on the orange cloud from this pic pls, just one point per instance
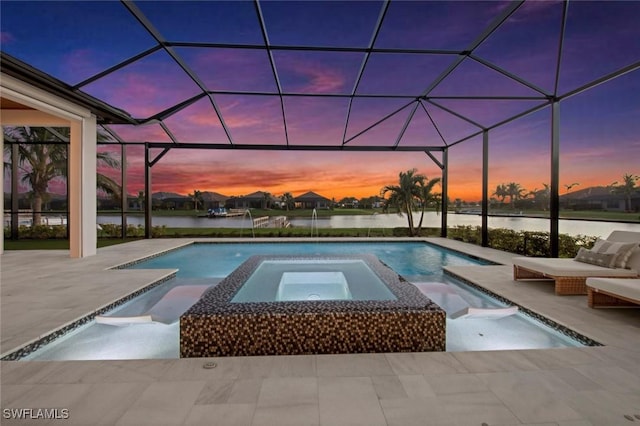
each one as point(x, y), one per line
point(334, 175)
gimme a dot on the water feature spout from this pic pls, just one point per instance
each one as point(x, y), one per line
point(248, 212)
point(314, 222)
point(373, 218)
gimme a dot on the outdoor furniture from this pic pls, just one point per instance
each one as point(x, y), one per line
point(570, 275)
point(613, 292)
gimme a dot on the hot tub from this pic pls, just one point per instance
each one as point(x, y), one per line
point(285, 305)
point(313, 286)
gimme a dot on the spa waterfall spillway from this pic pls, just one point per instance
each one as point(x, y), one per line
point(289, 305)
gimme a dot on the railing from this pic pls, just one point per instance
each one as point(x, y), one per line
point(25, 217)
point(280, 222)
point(261, 222)
point(271, 222)
point(235, 212)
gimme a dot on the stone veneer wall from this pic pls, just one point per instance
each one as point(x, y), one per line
point(216, 327)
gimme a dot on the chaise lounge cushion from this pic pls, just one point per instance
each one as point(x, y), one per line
point(628, 237)
point(569, 275)
point(569, 268)
point(606, 260)
point(628, 288)
point(620, 250)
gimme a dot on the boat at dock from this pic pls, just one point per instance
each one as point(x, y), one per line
point(222, 212)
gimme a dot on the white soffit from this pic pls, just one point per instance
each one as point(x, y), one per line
point(42, 101)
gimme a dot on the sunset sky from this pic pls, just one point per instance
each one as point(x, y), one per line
point(600, 128)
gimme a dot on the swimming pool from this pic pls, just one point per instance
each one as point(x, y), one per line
point(200, 260)
point(205, 264)
point(367, 307)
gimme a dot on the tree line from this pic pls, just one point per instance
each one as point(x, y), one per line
point(541, 197)
point(40, 163)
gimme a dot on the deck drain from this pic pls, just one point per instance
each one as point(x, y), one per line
point(209, 365)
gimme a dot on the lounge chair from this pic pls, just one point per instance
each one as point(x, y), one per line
point(570, 275)
point(456, 307)
point(167, 310)
point(613, 292)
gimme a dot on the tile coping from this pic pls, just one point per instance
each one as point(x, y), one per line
point(587, 341)
point(35, 344)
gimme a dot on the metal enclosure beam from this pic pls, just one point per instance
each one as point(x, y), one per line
point(147, 193)
point(258, 147)
point(363, 65)
point(150, 28)
point(555, 179)
point(563, 28)
point(272, 62)
point(485, 188)
point(69, 192)
point(435, 160)
point(123, 191)
point(445, 184)
point(15, 218)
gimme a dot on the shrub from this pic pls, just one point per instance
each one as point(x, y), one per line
point(40, 232)
point(527, 243)
point(400, 232)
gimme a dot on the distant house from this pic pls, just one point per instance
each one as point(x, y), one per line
point(169, 201)
point(598, 198)
point(173, 201)
point(213, 200)
point(349, 203)
point(311, 200)
point(255, 200)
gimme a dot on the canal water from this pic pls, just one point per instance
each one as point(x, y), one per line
point(431, 219)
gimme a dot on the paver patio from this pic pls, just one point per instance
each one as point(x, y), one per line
point(43, 290)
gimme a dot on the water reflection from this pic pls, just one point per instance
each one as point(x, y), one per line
point(431, 219)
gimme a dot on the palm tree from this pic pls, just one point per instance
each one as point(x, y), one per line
point(197, 198)
point(426, 197)
point(405, 196)
point(266, 200)
point(541, 197)
point(287, 200)
point(141, 198)
point(105, 183)
point(43, 164)
point(40, 162)
point(437, 202)
point(515, 192)
point(626, 188)
point(501, 192)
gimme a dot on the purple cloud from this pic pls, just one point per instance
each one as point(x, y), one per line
point(6, 37)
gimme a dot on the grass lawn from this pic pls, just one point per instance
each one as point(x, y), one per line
point(600, 215)
point(289, 232)
point(59, 244)
point(257, 212)
point(53, 244)
point(306, 213)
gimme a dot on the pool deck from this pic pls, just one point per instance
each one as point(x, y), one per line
point(44, 290)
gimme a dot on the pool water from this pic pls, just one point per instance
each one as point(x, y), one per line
point(204, 264)
point(312, 279)
point(219, 260)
